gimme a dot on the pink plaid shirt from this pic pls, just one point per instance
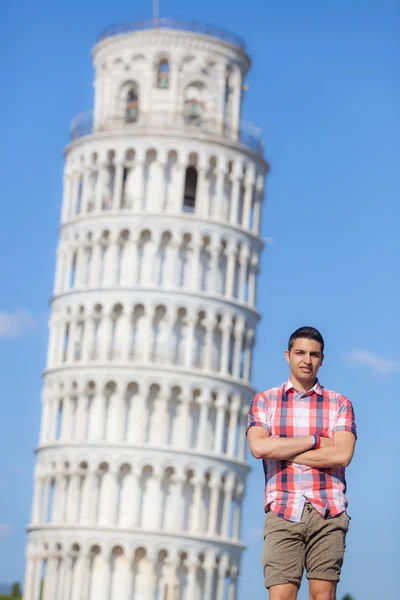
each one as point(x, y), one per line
point(285, 412)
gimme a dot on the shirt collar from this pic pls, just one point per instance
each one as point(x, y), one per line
point(317, 388)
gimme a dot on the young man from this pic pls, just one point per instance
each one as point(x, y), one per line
point(305, 436)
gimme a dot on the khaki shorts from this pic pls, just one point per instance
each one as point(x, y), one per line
point(315, 543)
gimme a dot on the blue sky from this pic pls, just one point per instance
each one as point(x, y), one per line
point(324, 88)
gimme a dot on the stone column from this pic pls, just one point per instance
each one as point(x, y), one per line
point(96, 266)
point(81, 572)
point(100, 185)
point(226, 511)
point(210, 326)
point(87, 339)
point(37, 497)
point(238, 511)
point(243, 262)
point(117, 192)
point(87, 508)
point(215, 486)
point(126, 327)
point(66, 576)
point(209, 570)
point(220, 185)
point(71, 340)
point(231, 268)
point(85, 178)
point(201, 190)
point(212, 287)
point(192, 567)
point(221, 579)
point(73, 498)
point(104, 342)
point(226, 327)
point(253, 280)
point(29, 577)
point(233, 424)
point(49, 593)
point(171, 586)
point(149, 337)
point(53, 412)
point(60, 497)
point(184, 421)
point(221, 406)
point(198, 483)
point(236, 177)
point(81, 416)
point(237, 350)
point(44, 509)
point(66, 421)
point(233, 584)
point(151, 588)
point(189, 346)
point(204, 402)
point(83, 591)
point(138, 195)
point(248, 196)
point(80, 266)
point(195, 264)
point(111, 262)
point(37, 577)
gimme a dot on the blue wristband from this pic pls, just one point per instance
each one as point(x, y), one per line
point(315, 441)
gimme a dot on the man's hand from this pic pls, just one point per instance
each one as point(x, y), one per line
point(326, 442)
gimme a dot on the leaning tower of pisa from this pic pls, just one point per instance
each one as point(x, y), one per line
point(141, 468)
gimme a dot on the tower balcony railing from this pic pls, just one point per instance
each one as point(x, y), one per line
point(247, 134)
point(176, 24)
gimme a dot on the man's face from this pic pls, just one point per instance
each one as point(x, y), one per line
point(305, 359)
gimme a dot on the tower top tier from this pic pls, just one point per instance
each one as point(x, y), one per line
point(174, 24)
point(178, 75)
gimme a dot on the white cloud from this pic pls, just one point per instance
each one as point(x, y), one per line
point(15, 324)
point(6, 530)
point(371, 360)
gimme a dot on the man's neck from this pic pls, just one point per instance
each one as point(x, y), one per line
point(302, 386)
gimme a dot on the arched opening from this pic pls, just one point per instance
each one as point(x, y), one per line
point(189, 198)
point(163, 74)
point(132, 105)
point(194, 101)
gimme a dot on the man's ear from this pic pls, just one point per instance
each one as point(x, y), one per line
point(322, 360)
point(287, 356)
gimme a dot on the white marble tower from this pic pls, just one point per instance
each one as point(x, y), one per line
point(141, 468)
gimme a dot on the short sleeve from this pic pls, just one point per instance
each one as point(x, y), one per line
point(345, 420)
point(258, 415)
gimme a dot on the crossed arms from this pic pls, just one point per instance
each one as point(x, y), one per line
point(336, 452)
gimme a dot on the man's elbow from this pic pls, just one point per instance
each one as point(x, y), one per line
point(257, 451)
point(346, 460)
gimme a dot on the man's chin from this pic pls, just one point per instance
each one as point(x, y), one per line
point(302, 376)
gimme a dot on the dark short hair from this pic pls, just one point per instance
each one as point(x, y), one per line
point(309, 333)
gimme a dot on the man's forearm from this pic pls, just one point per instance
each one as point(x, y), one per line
point(323, 458)
point(278, 448)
